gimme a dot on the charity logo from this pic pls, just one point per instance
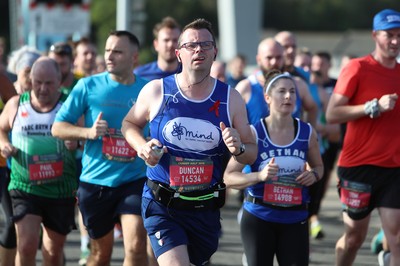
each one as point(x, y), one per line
point(192, 134)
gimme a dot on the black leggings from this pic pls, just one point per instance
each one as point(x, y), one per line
point(263, 240)
point(8, 237)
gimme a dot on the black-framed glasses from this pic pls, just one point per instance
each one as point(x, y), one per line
point(61, 48)
point(207, 45)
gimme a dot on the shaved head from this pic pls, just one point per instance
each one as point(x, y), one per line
point(288, 40)
point(269, 55)
point(47, 65)
point(46, 81)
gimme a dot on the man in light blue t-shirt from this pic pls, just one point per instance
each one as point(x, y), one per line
point(112, 178)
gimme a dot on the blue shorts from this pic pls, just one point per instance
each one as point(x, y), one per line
point(101, 206)
point(169, 228)
point(363, 188)
point(57, 214)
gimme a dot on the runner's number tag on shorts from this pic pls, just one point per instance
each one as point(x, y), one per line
point(355, 195)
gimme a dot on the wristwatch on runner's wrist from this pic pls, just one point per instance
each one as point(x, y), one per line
point(242, 149)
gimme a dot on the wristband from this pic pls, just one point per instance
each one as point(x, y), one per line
point(315, 174)
point(371, 108)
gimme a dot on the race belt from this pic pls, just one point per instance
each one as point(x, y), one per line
point(208, 199)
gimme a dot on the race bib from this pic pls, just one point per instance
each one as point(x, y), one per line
point(355, 195)
point(190, 174)
point(45, 168)
point(116, 148)
point(283, 191)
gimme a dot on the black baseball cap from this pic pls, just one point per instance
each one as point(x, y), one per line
point(61, 48)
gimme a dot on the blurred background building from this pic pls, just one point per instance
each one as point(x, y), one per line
point(337, 26)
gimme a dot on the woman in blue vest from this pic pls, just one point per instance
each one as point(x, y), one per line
point(274, 221)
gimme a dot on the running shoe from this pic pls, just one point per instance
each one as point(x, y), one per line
point(316, 231)
point(384, 258)
point(117, 231)
point(84, 256)
point(376, 242)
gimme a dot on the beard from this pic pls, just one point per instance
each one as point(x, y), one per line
point(64, 76)
point(392, 53)
point(171, 60)
point(265, 70)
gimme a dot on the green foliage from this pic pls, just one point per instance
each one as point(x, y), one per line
point(147, 54)
point(315, 15)
point(103, 18)
point(323, 15)
point(184, 11)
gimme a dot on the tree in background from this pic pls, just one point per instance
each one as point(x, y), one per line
point(103, 16)
point(327, 15)
point(294, 15)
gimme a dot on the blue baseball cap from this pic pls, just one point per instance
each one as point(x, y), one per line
point(386, 19)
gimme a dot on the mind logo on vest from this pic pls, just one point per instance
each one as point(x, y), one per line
point(192, 134)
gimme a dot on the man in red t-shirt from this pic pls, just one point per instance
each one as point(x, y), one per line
point(365, 96)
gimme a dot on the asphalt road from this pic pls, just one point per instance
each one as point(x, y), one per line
point(322, 251)
point(230, 248)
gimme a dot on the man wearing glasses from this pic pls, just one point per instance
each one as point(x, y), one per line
point(196, 120)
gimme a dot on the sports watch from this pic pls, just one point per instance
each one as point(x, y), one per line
point(242, 149)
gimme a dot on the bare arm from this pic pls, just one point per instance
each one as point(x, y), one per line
point(314, 159)
point(136, 120)
point(240, 125)
point(6, 120)
point(339, 111)
point(7, 89)
point(244, 88)
point(235, 178)
point(314, 162)
point(68, 131)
